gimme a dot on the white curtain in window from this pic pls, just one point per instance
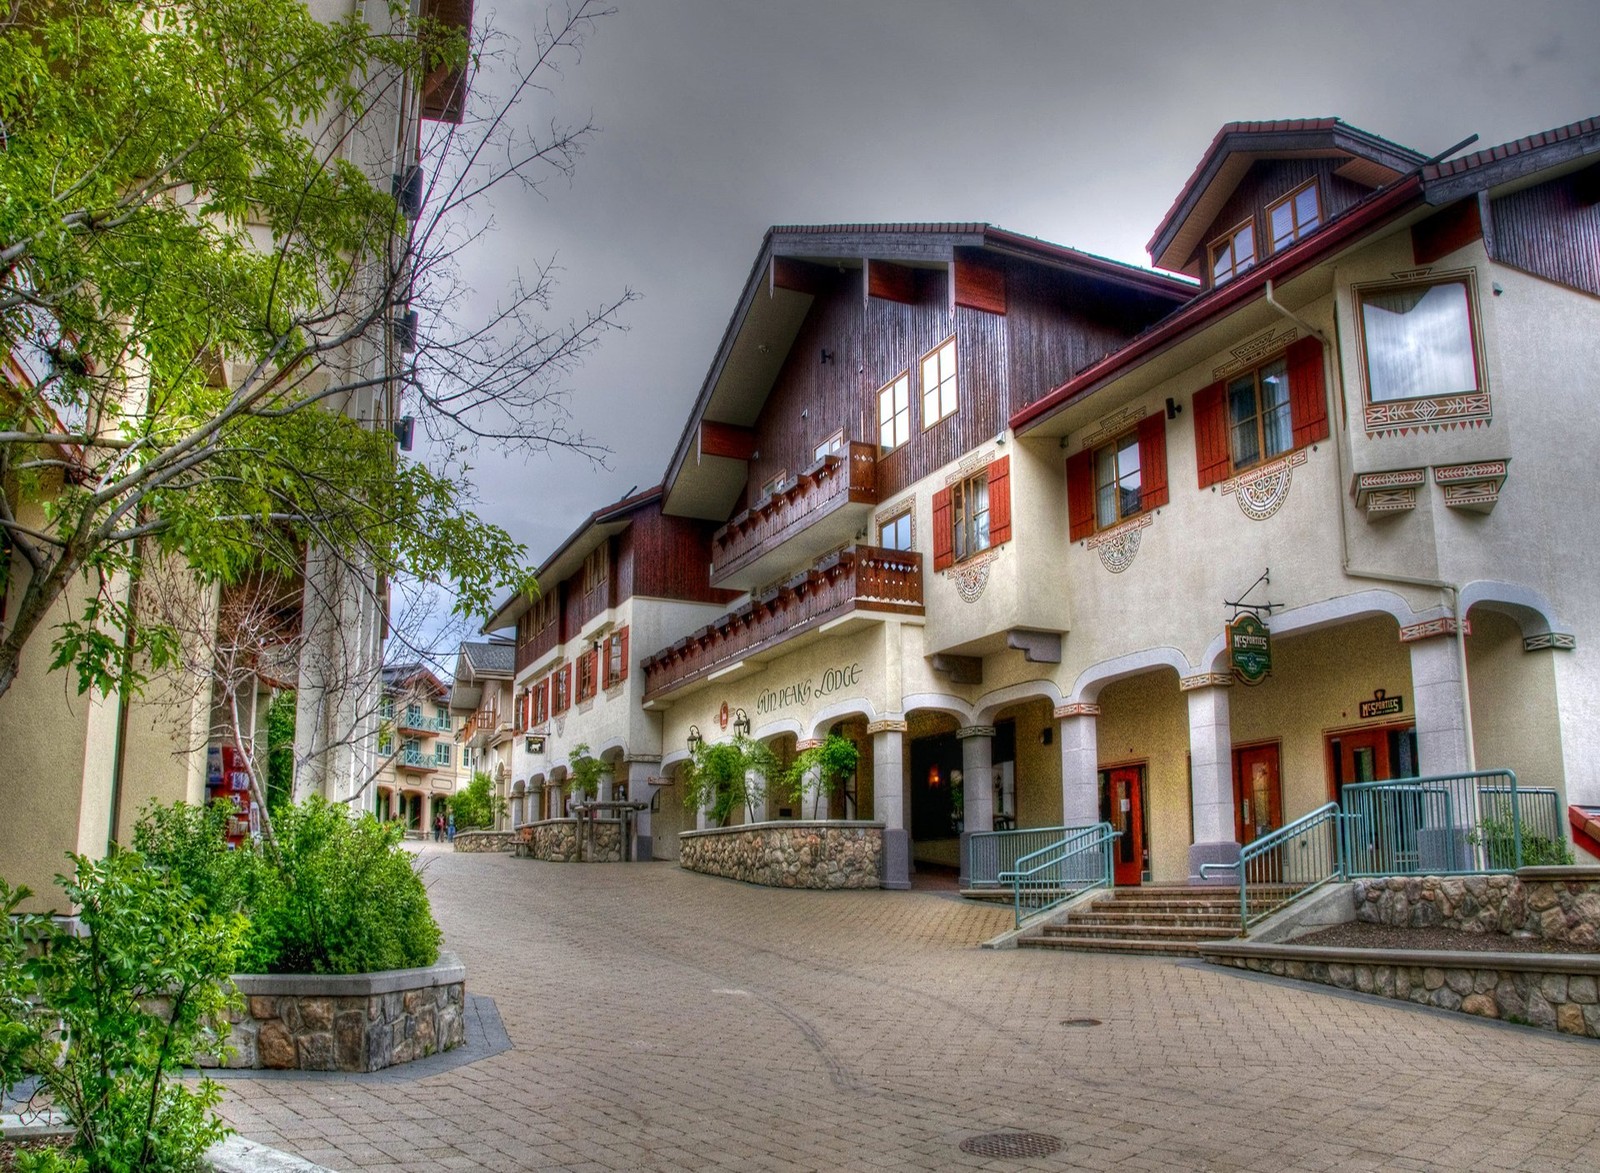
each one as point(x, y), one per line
point(1418, 343)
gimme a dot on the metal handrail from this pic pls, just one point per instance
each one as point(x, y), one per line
point(1272, 861)
point(1045, 878)
point(1442, 824)
point(991, 852)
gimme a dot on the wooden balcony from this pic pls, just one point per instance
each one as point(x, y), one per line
point(862, 581)
point(828, 505)
point(486, 725)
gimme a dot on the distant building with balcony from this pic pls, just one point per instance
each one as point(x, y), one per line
point(419, 764)
point(481, 700)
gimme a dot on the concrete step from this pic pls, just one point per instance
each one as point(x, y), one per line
point(1138, 932)
point(1095, 916)
point(1153, 948)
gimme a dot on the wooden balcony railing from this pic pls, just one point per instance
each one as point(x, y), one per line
point(862, 579)
point(485, 720)
point(817, 494)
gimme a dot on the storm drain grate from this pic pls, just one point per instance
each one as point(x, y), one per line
point(1011, 1144)
point(1080, 1022)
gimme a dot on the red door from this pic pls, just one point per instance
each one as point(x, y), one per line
point(1122, 805)
point(1257, 791)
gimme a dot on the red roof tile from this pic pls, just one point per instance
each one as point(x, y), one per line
point(1507, 150)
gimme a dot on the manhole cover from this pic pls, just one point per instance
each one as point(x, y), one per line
point(1080, 1022)
point(1011, 1144)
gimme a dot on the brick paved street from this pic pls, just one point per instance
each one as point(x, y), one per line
point(663, 1020)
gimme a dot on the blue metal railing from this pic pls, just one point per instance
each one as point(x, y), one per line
point(1442, 825)
point(990, 853)
point(1288, 863)
point(1078, 861)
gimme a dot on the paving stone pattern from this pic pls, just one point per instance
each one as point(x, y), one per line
point(661, 1019)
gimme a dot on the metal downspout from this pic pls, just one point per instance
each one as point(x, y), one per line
point(1340, 437)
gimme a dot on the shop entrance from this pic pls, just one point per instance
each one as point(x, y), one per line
point(1122, 805)
point(1257, 791)
point(1370, 755)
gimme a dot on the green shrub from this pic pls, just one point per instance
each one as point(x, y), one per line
point(584, 772)
point(817, 773)
point(107, 1020)
point(723, 777)
point(331, 895)
point(1498, 837)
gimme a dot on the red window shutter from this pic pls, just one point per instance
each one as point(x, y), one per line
point(1211, 434)
point(1080, 495)
point(944, 534)
point(1000, 501)
point(1308, 400)
point(622, 638)
point(1152, 462)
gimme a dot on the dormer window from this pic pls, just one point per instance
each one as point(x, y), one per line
point(1233, 253)
point(1294, 216)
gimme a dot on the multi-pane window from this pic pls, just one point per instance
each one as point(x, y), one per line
point(895, 533)
point(385, 744)
point(832, 446)
point(1259, 422)
point(1294, 216)
point(1233, 253)
point(1117, 481)
point(616, 662)
point(596, 568)
point(1417, 341)
point(775, 485)
point(541, 702)
point(441, 754)
point(894, 413)
point(563, 689)
point(939, 383)
point(970, 504)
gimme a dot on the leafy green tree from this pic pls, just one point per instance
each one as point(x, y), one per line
point(817, 773)
point(727, 776)
point(191, 268)
point(584, 772)
point(280, 749)
point(477, 806)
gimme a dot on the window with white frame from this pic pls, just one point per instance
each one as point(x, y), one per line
point(894, 413)
point(939, 383)
point(832, 446)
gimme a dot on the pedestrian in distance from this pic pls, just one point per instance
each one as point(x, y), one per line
point(450, 827)
point(438, 828)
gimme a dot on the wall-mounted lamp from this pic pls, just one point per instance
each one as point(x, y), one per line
point(741, 723)
point(1174, 408)
point(694, 738)
point(1000, 440)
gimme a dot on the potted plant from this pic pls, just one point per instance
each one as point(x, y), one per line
point(817, 773)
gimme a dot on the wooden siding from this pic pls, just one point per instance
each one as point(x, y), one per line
point(1265, 182)
point(1444, 232)
point(1553, 230)
point(667, 558)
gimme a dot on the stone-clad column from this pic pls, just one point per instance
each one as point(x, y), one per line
point(889, 799)
point(977, 785)
point(1079, 738)
point(1438, 689)
point(1211, 771)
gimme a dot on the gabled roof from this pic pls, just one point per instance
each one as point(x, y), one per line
point(493, 657)
point(770, 312)
point(569, 556)
point(415, 677)
point(1369, 160)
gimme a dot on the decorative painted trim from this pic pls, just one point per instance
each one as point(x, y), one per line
point(973, 462)
point(1205, 680)
point(1475, 487)
point(1384, 494)
point(1248, 355)
point(1112, 426)
point(905, 507)
point(972, 576)
point(1441, 414)
point(806, 743)
point(1560, 641)
point(1119, 545)
point(974, 731)
point(888, 726)
point(1076, 709)
point(1262, 491)
point(1430, 628)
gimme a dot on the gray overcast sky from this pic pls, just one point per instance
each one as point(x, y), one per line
point(1072, 121)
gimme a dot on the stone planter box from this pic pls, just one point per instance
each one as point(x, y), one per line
point(1559, 904)
point(473, 841)
point(1552, 991)
point(789, 854)
point(572, 840)
point(347, 1022)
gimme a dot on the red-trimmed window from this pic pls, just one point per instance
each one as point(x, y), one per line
point(972, 515)
point(563, 689)
point(1258, 414)
point(1110, 483)
point(541, 701)
point(616, 650)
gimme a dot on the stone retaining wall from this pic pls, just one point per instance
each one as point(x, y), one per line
point(484, 840)
point(354, 1022)
point(572, 840)
point(1557, 904)
point(1559, 992)
point(788, 854)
